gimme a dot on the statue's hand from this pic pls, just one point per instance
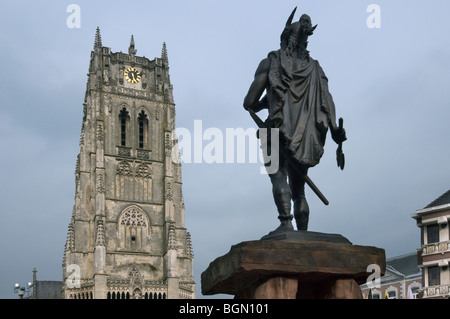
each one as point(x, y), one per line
point(338, 134)
point(257, 106)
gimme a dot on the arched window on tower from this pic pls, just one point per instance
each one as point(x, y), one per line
point(124, 119)
point(143, 129)
point(133, 229)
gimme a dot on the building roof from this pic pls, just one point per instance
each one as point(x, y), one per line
point(404, 264)
point(441, 200)
point(400, 268)
point(47, 289)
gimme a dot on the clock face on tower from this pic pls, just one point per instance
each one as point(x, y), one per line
point(132, 75)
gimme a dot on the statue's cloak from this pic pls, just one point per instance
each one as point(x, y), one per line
point(300, 105)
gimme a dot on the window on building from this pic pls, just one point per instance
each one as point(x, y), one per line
point(392, 295)
point(434, 276)
point(143, 128)
point(123, 118)
point(414, 292)
point(423, 276)
point(433, 233)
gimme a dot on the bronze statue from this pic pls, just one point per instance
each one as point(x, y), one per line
point(301, 108)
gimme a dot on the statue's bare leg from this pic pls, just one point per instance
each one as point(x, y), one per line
point(282, 196)
point(301, 207)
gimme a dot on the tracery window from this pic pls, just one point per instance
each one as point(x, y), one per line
point(143, 171)
point(124, 169)
point(133, 227)
point(133, 217)
point(143, 183)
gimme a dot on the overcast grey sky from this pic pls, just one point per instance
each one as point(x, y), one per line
point(390, 84)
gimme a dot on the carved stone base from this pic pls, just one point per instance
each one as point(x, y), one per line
point(323, 268)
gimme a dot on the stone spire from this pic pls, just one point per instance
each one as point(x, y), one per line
point(98, 39)
point(96, 65)
point(164, 56)
point(131, 49)
point(34, 295)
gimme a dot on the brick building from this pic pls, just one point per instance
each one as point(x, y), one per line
point(402, 279)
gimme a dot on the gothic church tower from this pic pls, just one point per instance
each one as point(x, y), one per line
point(127, 236)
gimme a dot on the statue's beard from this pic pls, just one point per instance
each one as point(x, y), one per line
point(296, 48)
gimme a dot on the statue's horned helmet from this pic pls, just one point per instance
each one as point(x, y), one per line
point(301, 28)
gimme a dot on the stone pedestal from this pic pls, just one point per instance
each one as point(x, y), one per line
point(293, 265)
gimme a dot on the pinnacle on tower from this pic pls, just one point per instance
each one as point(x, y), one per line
point(164, 56)
point(70, 243)
point(189, 251)
point(172, 241)
point(100, 240)
point(98, 39)
point(131, 49)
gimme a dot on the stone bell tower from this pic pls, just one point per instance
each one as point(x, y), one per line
point(127, 236)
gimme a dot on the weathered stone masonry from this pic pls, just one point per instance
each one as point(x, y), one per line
point(127, 236)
